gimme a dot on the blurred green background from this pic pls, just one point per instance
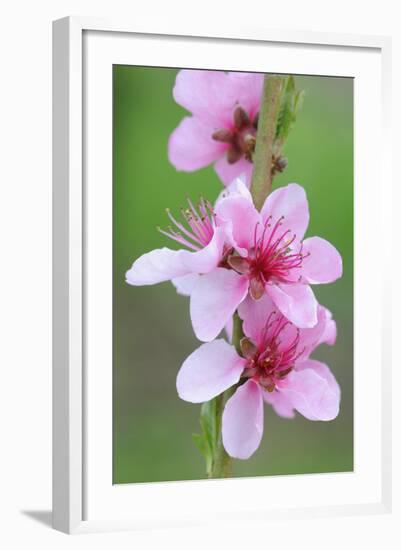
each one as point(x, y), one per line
point(152, 336)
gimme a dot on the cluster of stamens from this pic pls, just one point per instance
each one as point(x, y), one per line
point(200, 225)
point(241, 137)
point(269, 362)
point(271, 259)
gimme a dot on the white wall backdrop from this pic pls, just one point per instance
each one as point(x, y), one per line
point(25, 218)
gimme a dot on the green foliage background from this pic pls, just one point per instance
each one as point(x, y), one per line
point(152, 427)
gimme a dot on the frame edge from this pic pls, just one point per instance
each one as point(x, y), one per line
point(67, 248)
point(67, 275)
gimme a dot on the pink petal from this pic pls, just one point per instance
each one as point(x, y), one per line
point(156, 266)
point(243, 217)
point(228, 228)
point(280, 403)
point(164, 264)
point(248, 89)
point(237, 188)
point(322, 370)
point(228, 172)
point(191, 145)
point(207, 258)
point(329, 335)
point(309, 338)
point(323, 264)
point(296, 302)
point(207, 94)
point(209, 371)
point(185, 284)
point(242, 422)
point(255, 314)
point(290, 202)
point(313, 391)
point(214, 300)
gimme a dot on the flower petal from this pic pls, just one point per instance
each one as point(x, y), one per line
point(322, 370)
point(207, 258)
point(309, 338)
point(156, 266)
point(185, 284)
point(290, 202)
point(323, 264)
point(313, 391)
point(296, 302)
point(191, 145)
point(242, 422)
point(209, 371)
point(228, 172)
point(237, 188)
point(164, 264)
point(329, 335)
point(247, 88)
point(254, 314)
point(213, 301)
point(207, 94)
point(280, 402)
point(243, 218)
point(324, 332)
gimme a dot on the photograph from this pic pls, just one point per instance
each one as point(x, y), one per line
point(202, 353)
point(233, 241)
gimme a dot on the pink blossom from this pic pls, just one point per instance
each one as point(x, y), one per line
point(208, 249)
point(268, 256)
point(274, 366)
point(234, 249)
point(204, 240)
point(223, 124)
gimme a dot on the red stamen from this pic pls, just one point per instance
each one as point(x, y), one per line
point(272, 258)
point(270, 362)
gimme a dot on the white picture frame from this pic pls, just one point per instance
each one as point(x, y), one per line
point(84, 498)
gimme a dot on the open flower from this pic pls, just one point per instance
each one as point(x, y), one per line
point(274, 366)
point(223, 124)
point(234, 249)
point(204, 240)
point(208, 249)
point(268, 256)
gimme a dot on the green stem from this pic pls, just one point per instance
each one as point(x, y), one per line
point(222, 461)
point(260, 188)
point(261, 185)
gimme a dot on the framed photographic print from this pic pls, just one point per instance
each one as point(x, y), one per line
point(217, 202)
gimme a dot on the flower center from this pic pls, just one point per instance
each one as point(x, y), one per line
point(199, 228)
point(240, 138)
point(271, 259)
point(272, 360)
